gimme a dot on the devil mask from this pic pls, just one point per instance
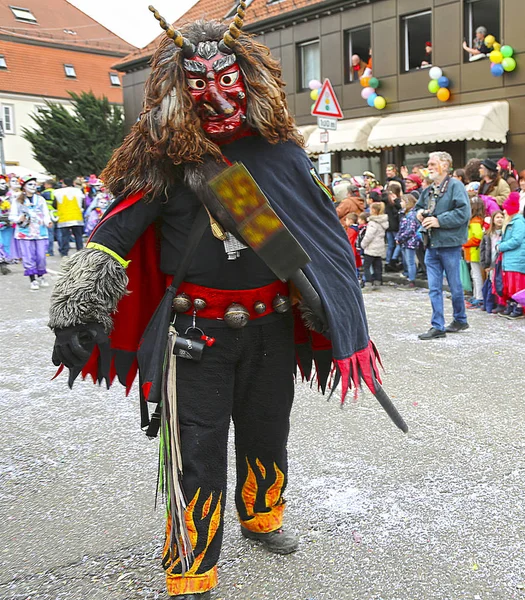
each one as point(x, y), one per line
point(217, 87)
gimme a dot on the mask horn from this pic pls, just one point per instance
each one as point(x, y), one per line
point(186, 46)
point(234, 30)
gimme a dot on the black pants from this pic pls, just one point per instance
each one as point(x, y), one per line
point(64, 236)
point(373, 268)
point(247, 376)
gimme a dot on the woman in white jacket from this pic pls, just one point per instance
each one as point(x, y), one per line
point(374, 246)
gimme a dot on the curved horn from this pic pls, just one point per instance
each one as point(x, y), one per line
point(234, 30)
point(181, 42)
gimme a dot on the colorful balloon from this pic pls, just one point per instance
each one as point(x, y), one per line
point(497, 70)
point(433, 86)
point(315, 84)
point(312, 107)
point(444, 82)
point(379, 102)
point(374, 82)
point(489, 41)
point(507, 51)
point(496, 46)
point(365, 81)
point(508, 64)
point(367, 92)
point(496, 56)
point(443, 94)
point(314, 94)
point(435, 73)
point(371, 100)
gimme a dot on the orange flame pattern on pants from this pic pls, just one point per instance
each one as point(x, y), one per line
point(272, 518)
point(192, 582)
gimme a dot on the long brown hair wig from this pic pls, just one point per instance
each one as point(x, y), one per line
point(168, 131)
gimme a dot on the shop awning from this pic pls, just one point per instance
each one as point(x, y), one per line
point(487, 121)
point(351, 134)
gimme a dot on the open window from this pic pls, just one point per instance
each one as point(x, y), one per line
point(416, 41)
point(358, 48)
point(480, 15)
point(308, 59)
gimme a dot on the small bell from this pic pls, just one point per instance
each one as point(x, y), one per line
point(236, 316)
point(199, 304)
point(182, 303)
point(281, 304)
point(259, 307)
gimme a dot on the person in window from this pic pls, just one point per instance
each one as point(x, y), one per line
point(428, 55)
point(358, 67)
point(479, 49)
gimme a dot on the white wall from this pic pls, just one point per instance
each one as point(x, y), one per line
point(16, 148)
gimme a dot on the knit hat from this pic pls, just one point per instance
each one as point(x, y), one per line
point(416, 179)
point(504, 163)
point(512, 203)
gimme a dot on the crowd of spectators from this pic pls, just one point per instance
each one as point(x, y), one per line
point(384, 225)
point(33, 216)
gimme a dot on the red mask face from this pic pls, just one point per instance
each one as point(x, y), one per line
point(217, 86)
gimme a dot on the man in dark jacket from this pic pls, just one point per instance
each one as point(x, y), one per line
point(444, 212)
point(393, 175)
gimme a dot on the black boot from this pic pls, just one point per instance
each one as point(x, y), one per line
point(279, 541)
point(4, 269)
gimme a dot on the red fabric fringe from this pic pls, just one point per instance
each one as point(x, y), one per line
point(361, 365)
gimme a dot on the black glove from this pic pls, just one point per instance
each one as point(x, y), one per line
point(74, 345)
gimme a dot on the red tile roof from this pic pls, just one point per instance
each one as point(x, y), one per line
point(257, 11)
point(39, 71)
point(59, 21)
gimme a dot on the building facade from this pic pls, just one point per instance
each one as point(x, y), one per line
point(317, 40)
point(48, 49)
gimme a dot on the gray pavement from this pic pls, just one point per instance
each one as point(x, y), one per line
point(435, 514)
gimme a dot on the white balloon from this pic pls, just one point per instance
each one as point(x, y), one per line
point(435, 73)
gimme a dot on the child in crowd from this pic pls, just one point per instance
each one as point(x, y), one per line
point(31, 216)
point(407, 237)
point(487, 259)
point(471, 251)
point(512, 248)
point(373, 245)
point(352, 231)
point(362, 222)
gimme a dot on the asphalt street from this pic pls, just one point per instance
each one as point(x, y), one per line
point(434, 514)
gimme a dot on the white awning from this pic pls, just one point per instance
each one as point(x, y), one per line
point(351, 134)
point(488, 121)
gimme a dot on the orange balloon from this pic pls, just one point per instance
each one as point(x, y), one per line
point(365, 81)
point(443, 94)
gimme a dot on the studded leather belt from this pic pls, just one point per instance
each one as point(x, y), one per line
point(235, 307)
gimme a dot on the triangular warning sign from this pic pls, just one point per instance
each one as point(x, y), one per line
point(326, 104)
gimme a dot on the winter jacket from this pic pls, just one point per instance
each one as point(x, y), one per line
point(512, 245)
point(352, 233)
point(475, 235)
point(407, 235)
point(392, 212)
point(498, 191)
point(453, 213)
point(373, 243)
point(486, 254)
point(348, 205)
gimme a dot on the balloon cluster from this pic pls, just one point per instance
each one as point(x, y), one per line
point(369, 93)
point(501, 57)
point(315, 85)
point(439, 84)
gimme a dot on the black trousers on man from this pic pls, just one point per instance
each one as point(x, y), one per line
point(247, 376)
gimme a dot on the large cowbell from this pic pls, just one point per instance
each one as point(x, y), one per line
point(257, 222)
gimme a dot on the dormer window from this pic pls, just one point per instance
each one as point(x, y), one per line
point(3, 64)
point(114, 78)
point(23, 14)
point(70, 71)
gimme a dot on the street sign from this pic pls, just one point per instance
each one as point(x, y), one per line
point(327, 123)
point(323, 137)
point(325, 163)
point(327, 104)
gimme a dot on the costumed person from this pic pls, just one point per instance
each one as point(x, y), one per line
point(30, 214)
point(6, 227)
point(96, 208)
point(212, 310)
